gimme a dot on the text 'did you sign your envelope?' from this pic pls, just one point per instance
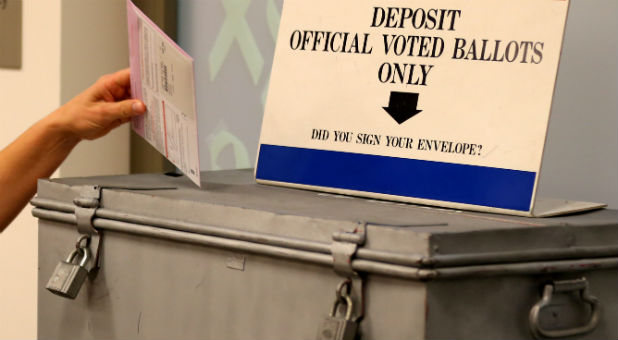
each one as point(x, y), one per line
point(441, 102)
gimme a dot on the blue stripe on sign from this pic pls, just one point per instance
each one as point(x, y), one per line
point(470, 184)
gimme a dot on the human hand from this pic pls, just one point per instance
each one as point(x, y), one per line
point(99, 109)
point(39, 151)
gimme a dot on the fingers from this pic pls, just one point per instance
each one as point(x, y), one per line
point(100, 108)
point(138, 107)
point(123, 110)
point(122, 78)
point(112, 87)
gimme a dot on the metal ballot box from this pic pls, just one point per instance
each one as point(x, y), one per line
point(236, 259)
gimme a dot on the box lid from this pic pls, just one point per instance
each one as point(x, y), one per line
point(232, 211)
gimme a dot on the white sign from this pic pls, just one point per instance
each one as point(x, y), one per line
point(442, 102)
point(162, 75)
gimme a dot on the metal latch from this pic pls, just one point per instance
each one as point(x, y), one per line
point(344, 246)
point(350, 292)
point(69, 276)
point(86, 205)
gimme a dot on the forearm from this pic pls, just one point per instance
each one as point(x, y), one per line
point(35, 154)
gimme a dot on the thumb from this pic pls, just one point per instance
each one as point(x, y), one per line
point(124, 109)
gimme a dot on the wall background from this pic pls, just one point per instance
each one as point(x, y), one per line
point(93, 42)
point(581, 154)
point(233, 47)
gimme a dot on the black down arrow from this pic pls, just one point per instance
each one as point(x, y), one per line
point(402, 106)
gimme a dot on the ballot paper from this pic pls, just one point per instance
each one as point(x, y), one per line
point(162, 76)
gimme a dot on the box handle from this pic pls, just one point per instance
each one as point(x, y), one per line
point(580, 285)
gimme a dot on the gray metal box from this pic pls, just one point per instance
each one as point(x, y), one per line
point(240, 260)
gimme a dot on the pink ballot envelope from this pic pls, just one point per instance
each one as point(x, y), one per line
point(162, 75)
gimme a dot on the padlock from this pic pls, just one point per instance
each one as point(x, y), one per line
point(337, 328)
point(68, 277)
